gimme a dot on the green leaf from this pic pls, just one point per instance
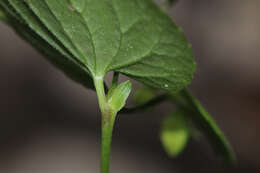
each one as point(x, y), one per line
point(119, 96)
point(8, 10)
point(175, 132)
point(134, 37)
point(203, 120)
point(39, 37)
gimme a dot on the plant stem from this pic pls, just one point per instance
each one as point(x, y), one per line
point(146, 105)
point(108, 119)
point(106, 139)
point(102, 100)
point(114, 84)
point(115, 79)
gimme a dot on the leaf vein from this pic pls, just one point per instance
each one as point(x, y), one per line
point(66, 34)
point(121, 35)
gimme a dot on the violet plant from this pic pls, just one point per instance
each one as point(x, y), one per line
point(86, 39)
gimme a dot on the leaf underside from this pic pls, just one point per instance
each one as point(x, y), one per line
point(134, 37)
point(88, 38)
point(70, 67)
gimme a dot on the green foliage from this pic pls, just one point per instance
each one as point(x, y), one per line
point(175, 132)
point(88, 38)
point(203, 120)
point(47, 45)
point(135, 38)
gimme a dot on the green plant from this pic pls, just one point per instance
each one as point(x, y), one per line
point(88, 38)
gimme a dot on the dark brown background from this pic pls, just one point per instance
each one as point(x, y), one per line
point(49, 124)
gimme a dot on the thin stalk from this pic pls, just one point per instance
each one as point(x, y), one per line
point(146, 105)
point(106, 139)
point(100, 89)
point(115, 79)
point(108, 119)
point(114, 84)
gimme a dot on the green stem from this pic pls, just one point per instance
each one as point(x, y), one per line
point(106, 139)
point(108, 119)
point(114, 84)
point(102, 100)
point(146, 105)
point(115, 79)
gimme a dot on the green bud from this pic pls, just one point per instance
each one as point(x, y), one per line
point(175, 133)
point(119, 95)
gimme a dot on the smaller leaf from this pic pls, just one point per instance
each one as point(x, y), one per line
point(206, 124)
point(144, 94)
point(119, 96)
point(175, 133)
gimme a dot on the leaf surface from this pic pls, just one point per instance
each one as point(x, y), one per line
point(63, 61)
point(134, 37)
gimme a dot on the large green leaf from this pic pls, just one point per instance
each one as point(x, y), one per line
point(203, 120)
point(175, 132)
point(134, 37)
point(69, 67)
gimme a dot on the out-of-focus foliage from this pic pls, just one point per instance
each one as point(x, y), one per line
point(175, 132)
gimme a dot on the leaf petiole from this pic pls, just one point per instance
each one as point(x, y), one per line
point(207, 125)
point(115, 79)
point(146, 105)
point(114, 83)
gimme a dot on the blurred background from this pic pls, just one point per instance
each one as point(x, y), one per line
point(49, 124)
